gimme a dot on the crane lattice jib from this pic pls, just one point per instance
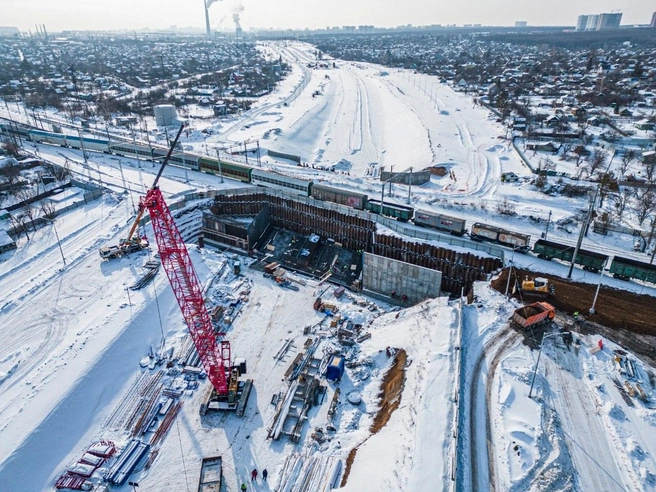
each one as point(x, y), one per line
point(177, 264)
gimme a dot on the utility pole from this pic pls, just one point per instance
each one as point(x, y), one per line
point(530, 391)
point(410, 186)
point(601, 276)
point(218, 158)
point(58, 242)
point(509, 275)
point(546, 229)
point(246, 152)
point(134, 141)
point(584, 227)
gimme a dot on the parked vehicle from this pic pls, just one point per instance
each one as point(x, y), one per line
point(124, 247)
point(517, 241)
point(534, 314)
point(589, 260)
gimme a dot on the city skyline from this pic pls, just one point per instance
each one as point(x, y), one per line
point(61, 15)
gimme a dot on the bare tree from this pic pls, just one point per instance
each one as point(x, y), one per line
point(607, 185)
point(598, 159)
point(11, 172)
point(579, 151)
point(18, 223)
point(48, 209)
point(650, 168)
point(505, 207)
point(646, 204)
point(11, 148)
point(28, 207)
point(621, 200)
point(627, 158)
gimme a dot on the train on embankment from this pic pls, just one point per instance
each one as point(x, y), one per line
point(622, 268)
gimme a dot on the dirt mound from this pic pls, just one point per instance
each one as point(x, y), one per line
point(438, 171)
point(390, 396)
point(623, 317)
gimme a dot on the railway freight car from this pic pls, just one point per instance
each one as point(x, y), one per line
point(626, 269)
point(517, 241)
point(589, 260)
point(399, 212)
point(337, 195)
point(443, 222)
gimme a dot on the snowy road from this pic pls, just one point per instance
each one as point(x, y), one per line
point(587, 438)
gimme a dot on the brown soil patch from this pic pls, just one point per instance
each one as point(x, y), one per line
point(623, 317)
point(390, 395)
point(438, 170)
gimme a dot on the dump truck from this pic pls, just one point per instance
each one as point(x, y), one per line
point(534, 314)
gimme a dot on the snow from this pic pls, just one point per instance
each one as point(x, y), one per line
point(73, 335)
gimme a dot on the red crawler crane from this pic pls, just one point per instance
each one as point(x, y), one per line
point(214, 353)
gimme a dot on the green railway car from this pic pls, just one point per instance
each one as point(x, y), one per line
point(589, 260)
point(399, 212)
point(626, 269)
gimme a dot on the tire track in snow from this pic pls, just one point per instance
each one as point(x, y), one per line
point(482, 474)
point(389, 85)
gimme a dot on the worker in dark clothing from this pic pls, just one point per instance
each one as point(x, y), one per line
point(265, 474)
point(254, 474)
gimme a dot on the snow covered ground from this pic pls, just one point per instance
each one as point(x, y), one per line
point(73, 335)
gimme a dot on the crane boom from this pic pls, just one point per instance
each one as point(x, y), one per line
point(159, 174)
point(176, 261)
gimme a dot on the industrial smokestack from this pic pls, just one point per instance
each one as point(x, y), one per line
point(207, 4)
point(45, 33)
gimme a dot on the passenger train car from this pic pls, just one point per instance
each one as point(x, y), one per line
point(623, 268)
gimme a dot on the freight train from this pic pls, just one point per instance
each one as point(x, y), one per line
point(622, 268)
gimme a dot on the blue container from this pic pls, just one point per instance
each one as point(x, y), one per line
point(335, 368)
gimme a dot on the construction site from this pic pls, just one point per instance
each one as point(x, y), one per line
point(293, 328)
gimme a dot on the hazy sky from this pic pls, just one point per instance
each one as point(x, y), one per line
point(61, 15)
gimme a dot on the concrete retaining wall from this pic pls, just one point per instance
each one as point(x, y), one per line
point(386, 276)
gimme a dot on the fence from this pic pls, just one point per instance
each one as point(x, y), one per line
point(282, 155)
point(392, 224)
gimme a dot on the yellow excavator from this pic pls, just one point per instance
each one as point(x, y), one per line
point(538, 286)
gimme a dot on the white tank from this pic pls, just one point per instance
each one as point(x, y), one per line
point(165, 115)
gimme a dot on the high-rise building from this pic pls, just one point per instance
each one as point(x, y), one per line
point(653, 20)
point(520, 23)
point(596, 22)
point(582, 22)
point(593, 22)
point(609, 21)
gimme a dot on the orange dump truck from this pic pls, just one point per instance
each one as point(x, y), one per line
point(534, 314)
